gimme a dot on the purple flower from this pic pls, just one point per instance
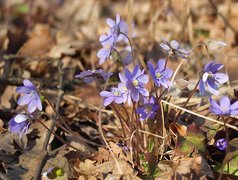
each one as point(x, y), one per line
point(221, 144)
point(224, 107)
point(135, 82)
point(211, 77)
point(30, 98)
point(91, 75)
point(19, 124)
point(174, 49)
point(117, 28)
point(148, 110)
point(108, 42)
point(118, 95)
point(160, 74)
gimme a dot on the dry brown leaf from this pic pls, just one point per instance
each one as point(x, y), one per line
point(38, 45)
point(188, 168)
point(9, 93)
point(178, 129)
point(39, 42)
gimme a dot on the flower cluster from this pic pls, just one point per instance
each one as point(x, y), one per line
point(118, 31)
point(20, 123)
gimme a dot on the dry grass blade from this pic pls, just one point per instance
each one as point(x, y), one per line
point(199, 115)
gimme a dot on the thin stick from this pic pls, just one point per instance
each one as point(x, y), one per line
point(199, 115)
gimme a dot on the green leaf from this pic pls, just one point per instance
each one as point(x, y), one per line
point(22, 9)
point(195, 139)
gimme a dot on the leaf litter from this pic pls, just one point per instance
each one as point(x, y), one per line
point(36, 36)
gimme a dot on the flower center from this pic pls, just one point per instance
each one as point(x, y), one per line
point(135, 82)
point(116, 93)
point(108, 46)
point(224, 109)
point(158, 75)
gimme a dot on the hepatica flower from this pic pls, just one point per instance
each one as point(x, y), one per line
point(108, 42)
point(221, 144)
point(118, 27)
point(118, 95)
point(30, 96)
point(160, 74)
point(211, 77)
point(117, 32)
point(174, 49)
point(135, 82)
point(92, 75)
point(19, 124)
point(148, 110)
point(224, 108)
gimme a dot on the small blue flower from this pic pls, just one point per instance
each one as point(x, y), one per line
point(160, 74)
point(30, 98)
point(148, 110)
point(211, 77)
point(108, 42)
point(221, 144)
point(19, 124)
point(224, 107)
point(135, 82)
point(118, 28)
point(118, 95)
point(174, 49)
point(92, 75)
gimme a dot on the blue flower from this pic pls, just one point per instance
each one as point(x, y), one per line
point(135, 82)
point(224, 107)
point(148, 110)
point(30, 98)
point(221, 144)
point(108, 42)
point(174, 49)
point(91, 75)
point(160, 74)
point(19, 124)
point(118, 95)
point(211, 77)
point(118, 28)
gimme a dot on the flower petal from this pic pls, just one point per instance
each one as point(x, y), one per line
point(31, 107)
point(23, 90)
point(174, 44)
point(143, 78)
point(20, 118)
point(234, 106)
point(106, 94)
point(234, 112)
point(213, 88)
point(225, 102)
point(28, 84)
point(201, 87)
point(221, 77)
point(164, 46)
point(108, 101)
point(25, 99)
point(160, 65)
point(110, 22)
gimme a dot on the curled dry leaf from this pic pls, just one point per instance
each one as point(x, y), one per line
point(187, 168)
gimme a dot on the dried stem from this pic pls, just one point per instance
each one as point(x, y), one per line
point(44, 154)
